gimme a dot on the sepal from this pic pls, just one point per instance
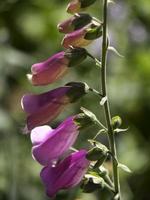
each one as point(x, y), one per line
point(91, 183)
point(98, 153)
point(77, 90)
point(94, 32)
point(75, 55)
point(86, 3)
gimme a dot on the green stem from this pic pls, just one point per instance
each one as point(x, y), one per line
point(106, 104)
point(111, 189)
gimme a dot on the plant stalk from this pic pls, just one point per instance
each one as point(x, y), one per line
point(106, 104)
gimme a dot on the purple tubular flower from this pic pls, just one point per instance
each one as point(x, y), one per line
point(65, 174)
point(83, 36)
point(76, 38)
point(49, 144)
point(76, 22)
point(45, 107)
point(50, 70)
point(56, 66)
point(76, 5)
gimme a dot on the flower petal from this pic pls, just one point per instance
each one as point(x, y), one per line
point(40, 134)
point(58, 59)
point(49, 76)
point(48, 71)
point(57, 143)
point(76, 39)
point(44, 115)
point(32, 103)
point(66, 174)
point(73, 6)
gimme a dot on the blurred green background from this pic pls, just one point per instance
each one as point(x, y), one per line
point(28, 34)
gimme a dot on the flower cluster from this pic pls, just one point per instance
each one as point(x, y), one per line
point(51, 146)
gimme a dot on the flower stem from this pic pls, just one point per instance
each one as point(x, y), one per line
point(106, 104)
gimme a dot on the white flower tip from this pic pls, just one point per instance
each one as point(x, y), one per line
point(29, 77)
point(40, 133)
point(22, 106)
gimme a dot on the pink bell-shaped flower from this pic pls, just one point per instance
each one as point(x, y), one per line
point(66, 174)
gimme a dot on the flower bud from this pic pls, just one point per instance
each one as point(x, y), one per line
point(94, 32)
point(84, 36)
point(56, 66)
point(78, 21)
point(83, 121)
point(91, 183)
point(116, 122)
point(97, 154)
point(76, 5)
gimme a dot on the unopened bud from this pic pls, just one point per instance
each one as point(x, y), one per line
point(76, 5)
point(116, 122)
point(94, 32)
point(78, 21)
point(91, 183)
point(97, 154)
point(83, 120)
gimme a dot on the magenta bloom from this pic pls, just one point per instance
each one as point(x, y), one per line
point(76, 38)
point(49, 144)
point(44, 107)
point(83, 36)
point(76, 5)
point(47, 106)
point(56, 66)
point(50, 70)
point(65, 174)
point(76, 22)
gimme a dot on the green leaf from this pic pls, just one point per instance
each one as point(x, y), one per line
point(120, 130)
point(115, 51)
point(103, 100)
point(124, 167)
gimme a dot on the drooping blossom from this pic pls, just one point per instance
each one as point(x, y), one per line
point(77, 21)
point(49, 144)
point(66, 174)
point(47, 106)
point(82, 37)
point(76, 38)
point(76, 5)
point(55, 67)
